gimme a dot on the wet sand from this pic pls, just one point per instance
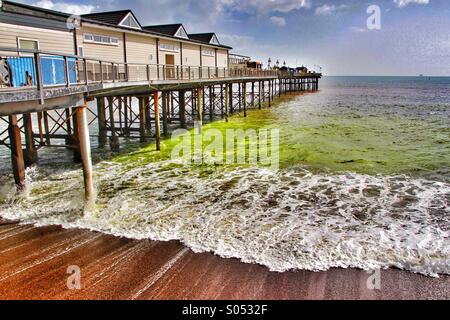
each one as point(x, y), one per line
point(34, 262)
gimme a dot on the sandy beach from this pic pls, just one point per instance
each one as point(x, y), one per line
point(34, 262)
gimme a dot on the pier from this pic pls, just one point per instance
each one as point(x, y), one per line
point(139, 101)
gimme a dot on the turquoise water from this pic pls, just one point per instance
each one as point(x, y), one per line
point(364, 181)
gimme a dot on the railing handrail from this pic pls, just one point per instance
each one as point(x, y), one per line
point(59, 54)
point(85, 71)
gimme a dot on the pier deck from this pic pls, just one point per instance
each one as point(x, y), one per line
point(130, 98)
point(34, 262)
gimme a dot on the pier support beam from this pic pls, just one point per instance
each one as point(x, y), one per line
point(18, 164)
point(102, 127)
point(253, 94)
point(148, 117)
point(244, 93)
point(270, 92)
point(227, 102)
point(85, 151)
point(200, 110)
point(259, 95)
point(114, 141)
point(30, 152)
point(157, 125)
point(142, 123)
point(211, 103)
point(182, 108)
point(165, 109)
point(230, 98)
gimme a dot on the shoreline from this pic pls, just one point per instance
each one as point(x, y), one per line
point(34, 262)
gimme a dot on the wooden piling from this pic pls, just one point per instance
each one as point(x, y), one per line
point(85, 150)
point(182, 108)
point(102, 127)
point(126, 125)
point(279, 88)
point(142, 124)
point(240, 96)
point(120, 114)
point(75, 143)
point(47, 129)
point(18, 164)
point(30, 152)
point(165, 108)
point(259, 95)
point(157, 125)
point(211, 104)
point(244, 93)
point(230, 98)
point(200, 110)
point(114, 142)
point(148, 116)
point(270, 93)
point(253, 94)
point(227, 102)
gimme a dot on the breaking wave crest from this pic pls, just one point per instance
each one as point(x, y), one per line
point(287, 220)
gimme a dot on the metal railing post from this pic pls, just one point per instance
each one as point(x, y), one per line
point(101, 72)
point(113, 72)
point(66, 71)
point(39, 83)
point(86, 80)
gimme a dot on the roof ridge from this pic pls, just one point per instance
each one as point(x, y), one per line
point(107, 12)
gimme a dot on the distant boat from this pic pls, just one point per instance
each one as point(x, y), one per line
point(421, 76)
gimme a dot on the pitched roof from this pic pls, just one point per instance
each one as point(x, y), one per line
point(202, 37)
point(167, 29)
point(111, 17)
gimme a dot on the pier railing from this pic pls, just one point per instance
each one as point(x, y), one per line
point(23, 69)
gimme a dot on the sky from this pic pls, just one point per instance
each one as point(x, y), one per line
point(413, 36)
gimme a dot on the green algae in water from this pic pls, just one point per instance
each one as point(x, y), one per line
point(326, 139)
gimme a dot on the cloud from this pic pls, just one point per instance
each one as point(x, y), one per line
point(327, 9)
point(278, 21)
point(358, 29)
point(266, 6)
point(404, 3)
point(65, 7)
point(237, 41)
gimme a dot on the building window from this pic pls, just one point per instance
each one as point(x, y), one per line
point(81, 51)
point(169, 47)
point(28, 44)
point(209, 53)
point(94, 38)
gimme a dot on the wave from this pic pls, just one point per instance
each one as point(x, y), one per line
point(287, 220)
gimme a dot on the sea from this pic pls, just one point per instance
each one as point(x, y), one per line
point(363, 182)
